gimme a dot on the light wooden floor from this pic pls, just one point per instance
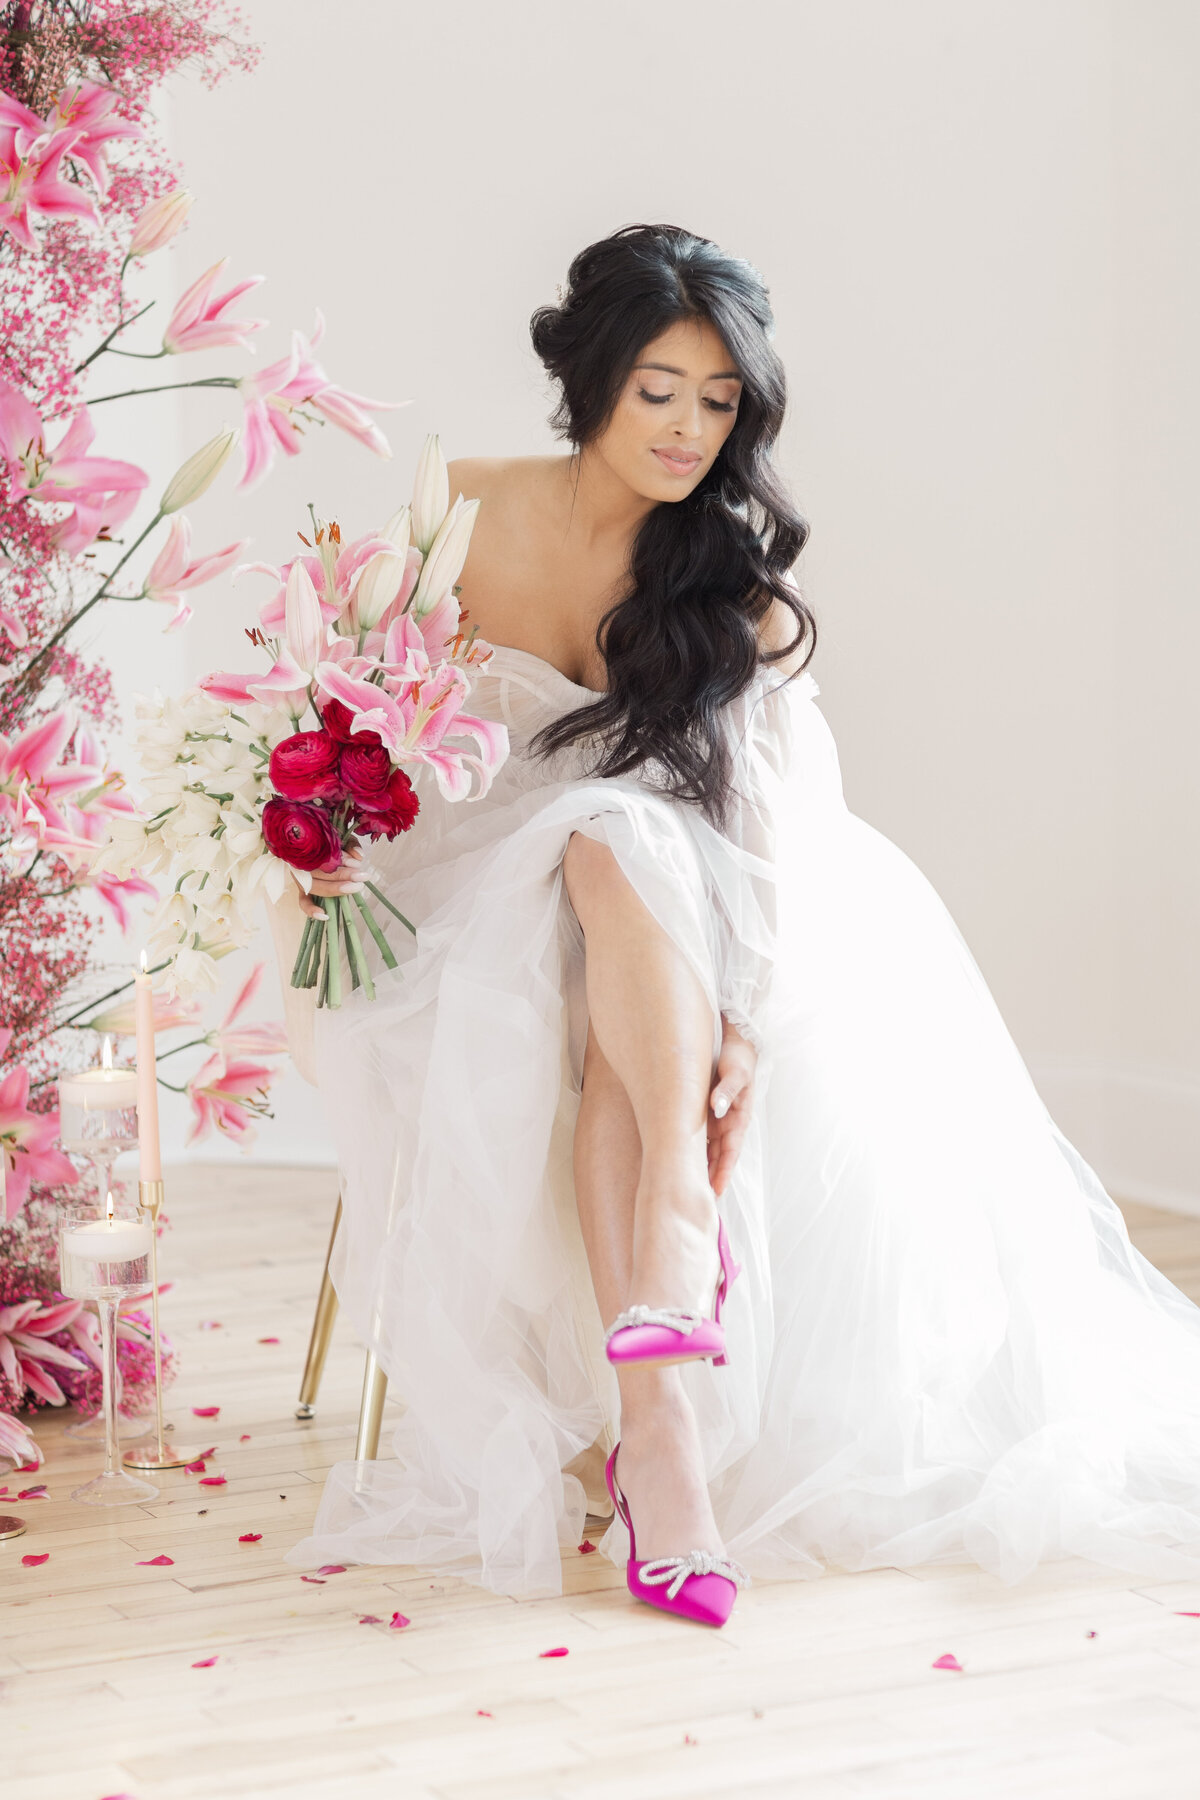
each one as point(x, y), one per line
point(816, 1689)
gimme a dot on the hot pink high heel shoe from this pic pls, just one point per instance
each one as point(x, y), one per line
point(698, 1586)
point(658, 1334)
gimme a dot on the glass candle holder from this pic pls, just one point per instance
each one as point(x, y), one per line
point(97, 1118)
point(105, 1257)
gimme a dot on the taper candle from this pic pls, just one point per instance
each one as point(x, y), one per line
point(150, 1168)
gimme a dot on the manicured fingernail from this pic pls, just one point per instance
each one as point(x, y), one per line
point(720, 1105)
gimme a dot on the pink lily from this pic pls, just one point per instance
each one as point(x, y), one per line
point(304, 638)
point(171, 573)
point(198, 321)
point(116, 893)
point(30, 155)
point(82, 110)
point(26, 1357)
point(414, 723)
point(273, 394)
point(224, 1094)
point(27, 1140)
point(267, 1039)
point(103, 490)
point(169, 1014)
point(17, 1443)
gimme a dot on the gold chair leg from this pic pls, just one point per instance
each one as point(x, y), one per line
point(322, 1332)
point(370, 1413)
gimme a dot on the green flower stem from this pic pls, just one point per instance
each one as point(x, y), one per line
point(111, 995)
point(357, 954)
point(195, 1042)
point(303, 955)
point(384, 901)
point(87, 606)
point(120, 326)
point(323, 960)
point(333, 961)
point(385, 949)
point(217, 381)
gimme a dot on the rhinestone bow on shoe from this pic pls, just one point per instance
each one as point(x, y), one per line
point(686, 1322)
point(661, 1570)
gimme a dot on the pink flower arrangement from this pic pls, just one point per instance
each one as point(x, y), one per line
point(366, 639)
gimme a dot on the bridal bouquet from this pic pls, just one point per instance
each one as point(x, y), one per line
point(253, 776)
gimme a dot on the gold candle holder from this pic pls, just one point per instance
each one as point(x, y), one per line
point(11, 1526)
point(157, 1454)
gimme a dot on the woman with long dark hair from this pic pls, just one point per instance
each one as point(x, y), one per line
point(689, 1115)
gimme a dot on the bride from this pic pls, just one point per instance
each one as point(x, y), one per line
point(689, 1119)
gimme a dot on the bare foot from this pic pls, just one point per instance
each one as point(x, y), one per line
point(659, 1467)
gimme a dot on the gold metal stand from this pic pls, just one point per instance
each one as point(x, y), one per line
point(156, 1454)
point(370, 1412)
point(374, 1388)
point(322, 1332)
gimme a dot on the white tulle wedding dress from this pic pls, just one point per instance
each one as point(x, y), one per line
point(943, 1347)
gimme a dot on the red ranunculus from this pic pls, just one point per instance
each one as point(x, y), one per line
point(338, 719)
point(301, 834)
point(365, 770)
point(305, 766)
point(400, 808)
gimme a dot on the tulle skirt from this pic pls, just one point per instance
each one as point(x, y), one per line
point(943, 1346)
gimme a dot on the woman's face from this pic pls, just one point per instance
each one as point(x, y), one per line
point(680, 402)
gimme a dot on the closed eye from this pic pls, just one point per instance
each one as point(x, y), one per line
point(661, 400)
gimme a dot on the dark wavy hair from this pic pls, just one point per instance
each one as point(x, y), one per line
point(684, 640)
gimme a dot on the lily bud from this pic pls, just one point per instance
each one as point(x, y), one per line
point(198, 473)
point(431, 494)
point(447, 554)
point(159, 222)
point(380, 580)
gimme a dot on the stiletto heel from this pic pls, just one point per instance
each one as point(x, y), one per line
point(700, 1585)
point(659, 1334)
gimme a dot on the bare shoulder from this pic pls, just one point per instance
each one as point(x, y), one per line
point(778, 630)
point(475, 477)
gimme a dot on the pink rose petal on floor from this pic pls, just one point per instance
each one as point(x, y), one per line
point(397, 1622)
point(370, 1619)
point(1188, 1615)
point(315, 1579)
point(32, 1562)
point(209, 1324)
point(250, 1537)
point(560, 1651)
point(206, 1662)
point(117, 1797)
point(34, 1493)
point(245, 1438)
point(947, 1662)
point(212, 1481)
point(332, 1569)
point(480, 1713)
point(205, 1412)
point(195, 1468)
point(268, 1340)
point(585, 1549)
point(156, 1562)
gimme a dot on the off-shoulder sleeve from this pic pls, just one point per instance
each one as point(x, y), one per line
point(761, 728)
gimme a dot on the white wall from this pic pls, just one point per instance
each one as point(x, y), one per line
point(972, 223)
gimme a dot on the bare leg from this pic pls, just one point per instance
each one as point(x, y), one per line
point(623, 1202)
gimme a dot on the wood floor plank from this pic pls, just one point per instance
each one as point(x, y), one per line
point(819, 1689)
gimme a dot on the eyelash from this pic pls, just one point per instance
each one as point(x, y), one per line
point(661, 400)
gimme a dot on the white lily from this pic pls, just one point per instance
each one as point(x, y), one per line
point(447, 554)
point(431, 493)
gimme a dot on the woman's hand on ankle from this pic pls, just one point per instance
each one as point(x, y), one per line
point(729, 1104)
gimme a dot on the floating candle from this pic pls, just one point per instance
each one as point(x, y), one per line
point(99, 1090)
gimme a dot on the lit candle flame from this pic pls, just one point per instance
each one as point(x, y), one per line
point(106, 1060)
point(145, 962)
point(109, 1209)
